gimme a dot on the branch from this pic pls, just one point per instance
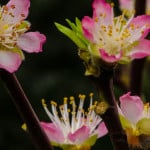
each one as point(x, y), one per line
point(137, 66)
point(104, 85)
point(25, 110)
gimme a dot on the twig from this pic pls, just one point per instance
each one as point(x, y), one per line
point(104, 84)
point(25, 110)
point(137, 66)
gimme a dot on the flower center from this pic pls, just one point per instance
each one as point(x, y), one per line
point(70, 120)
point(120, 35)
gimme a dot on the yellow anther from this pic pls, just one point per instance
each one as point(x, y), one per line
point(96, 19)
point(91, 120)
point(43, 103)
point(101, 14)
point(71, 98)
point(146, 106)
point(5, 8)
point(95, 103)
point(22, 15)
point(12, 6)
point(91, 94)
point(103, 27)
point(101, 107)
point(117, 30)
point(5, 27)
point(54, 103)
point(73, 112)
point(122, 44)
point(82, 96)
point(110, 27)
point(109, 33)
point(65, 100)
point(112, 4)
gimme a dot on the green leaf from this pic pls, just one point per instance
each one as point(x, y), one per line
point(75, 33)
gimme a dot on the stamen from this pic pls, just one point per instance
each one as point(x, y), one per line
point(12, 6)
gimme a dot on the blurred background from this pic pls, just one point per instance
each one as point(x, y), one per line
point(52, 74)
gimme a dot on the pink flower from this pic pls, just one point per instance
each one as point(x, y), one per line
point(135, 117)
point(73, 127)
point(13, 37)
point(116, 39)
point(129, 5)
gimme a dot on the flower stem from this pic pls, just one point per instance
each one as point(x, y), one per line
point(136, 74)
point(104, 84)
point(137, 66)
point(25, 110)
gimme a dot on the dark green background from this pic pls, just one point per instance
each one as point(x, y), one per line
point(52, 74)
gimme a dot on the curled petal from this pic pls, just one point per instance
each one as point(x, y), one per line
point(110, 58)
point(53, 132)
point(80, 135)
point(31, 42)
point(88, 27)
point(9, 61)
point(103, 11)
point(141, 50)
point(19, 10)
point(102, 130)
point(131, 107)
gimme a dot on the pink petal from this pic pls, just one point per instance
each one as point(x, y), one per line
point(31, 42)
point(141, 50)
point(148, 7)
point(80, 135)
point(109, 58)
point(132, 107)
point(9, 61)
point(53, 132)
point(101, 130)
point(140, 21)
point(101, 7)
point(88, 27)
point(19, 9)
point(127, 5)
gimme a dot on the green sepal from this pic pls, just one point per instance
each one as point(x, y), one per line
point(18, 51)
point(125, 123)
point(23, 25)
point(143, 126)
point(89, 142)
point(75, 33)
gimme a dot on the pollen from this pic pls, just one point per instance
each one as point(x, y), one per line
point(65, 100)
point(82, 97)
point(12, 6)
point(112, 4)
point(43, 103)
point(53, 103)
point(22, 15)
point(5, 8)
